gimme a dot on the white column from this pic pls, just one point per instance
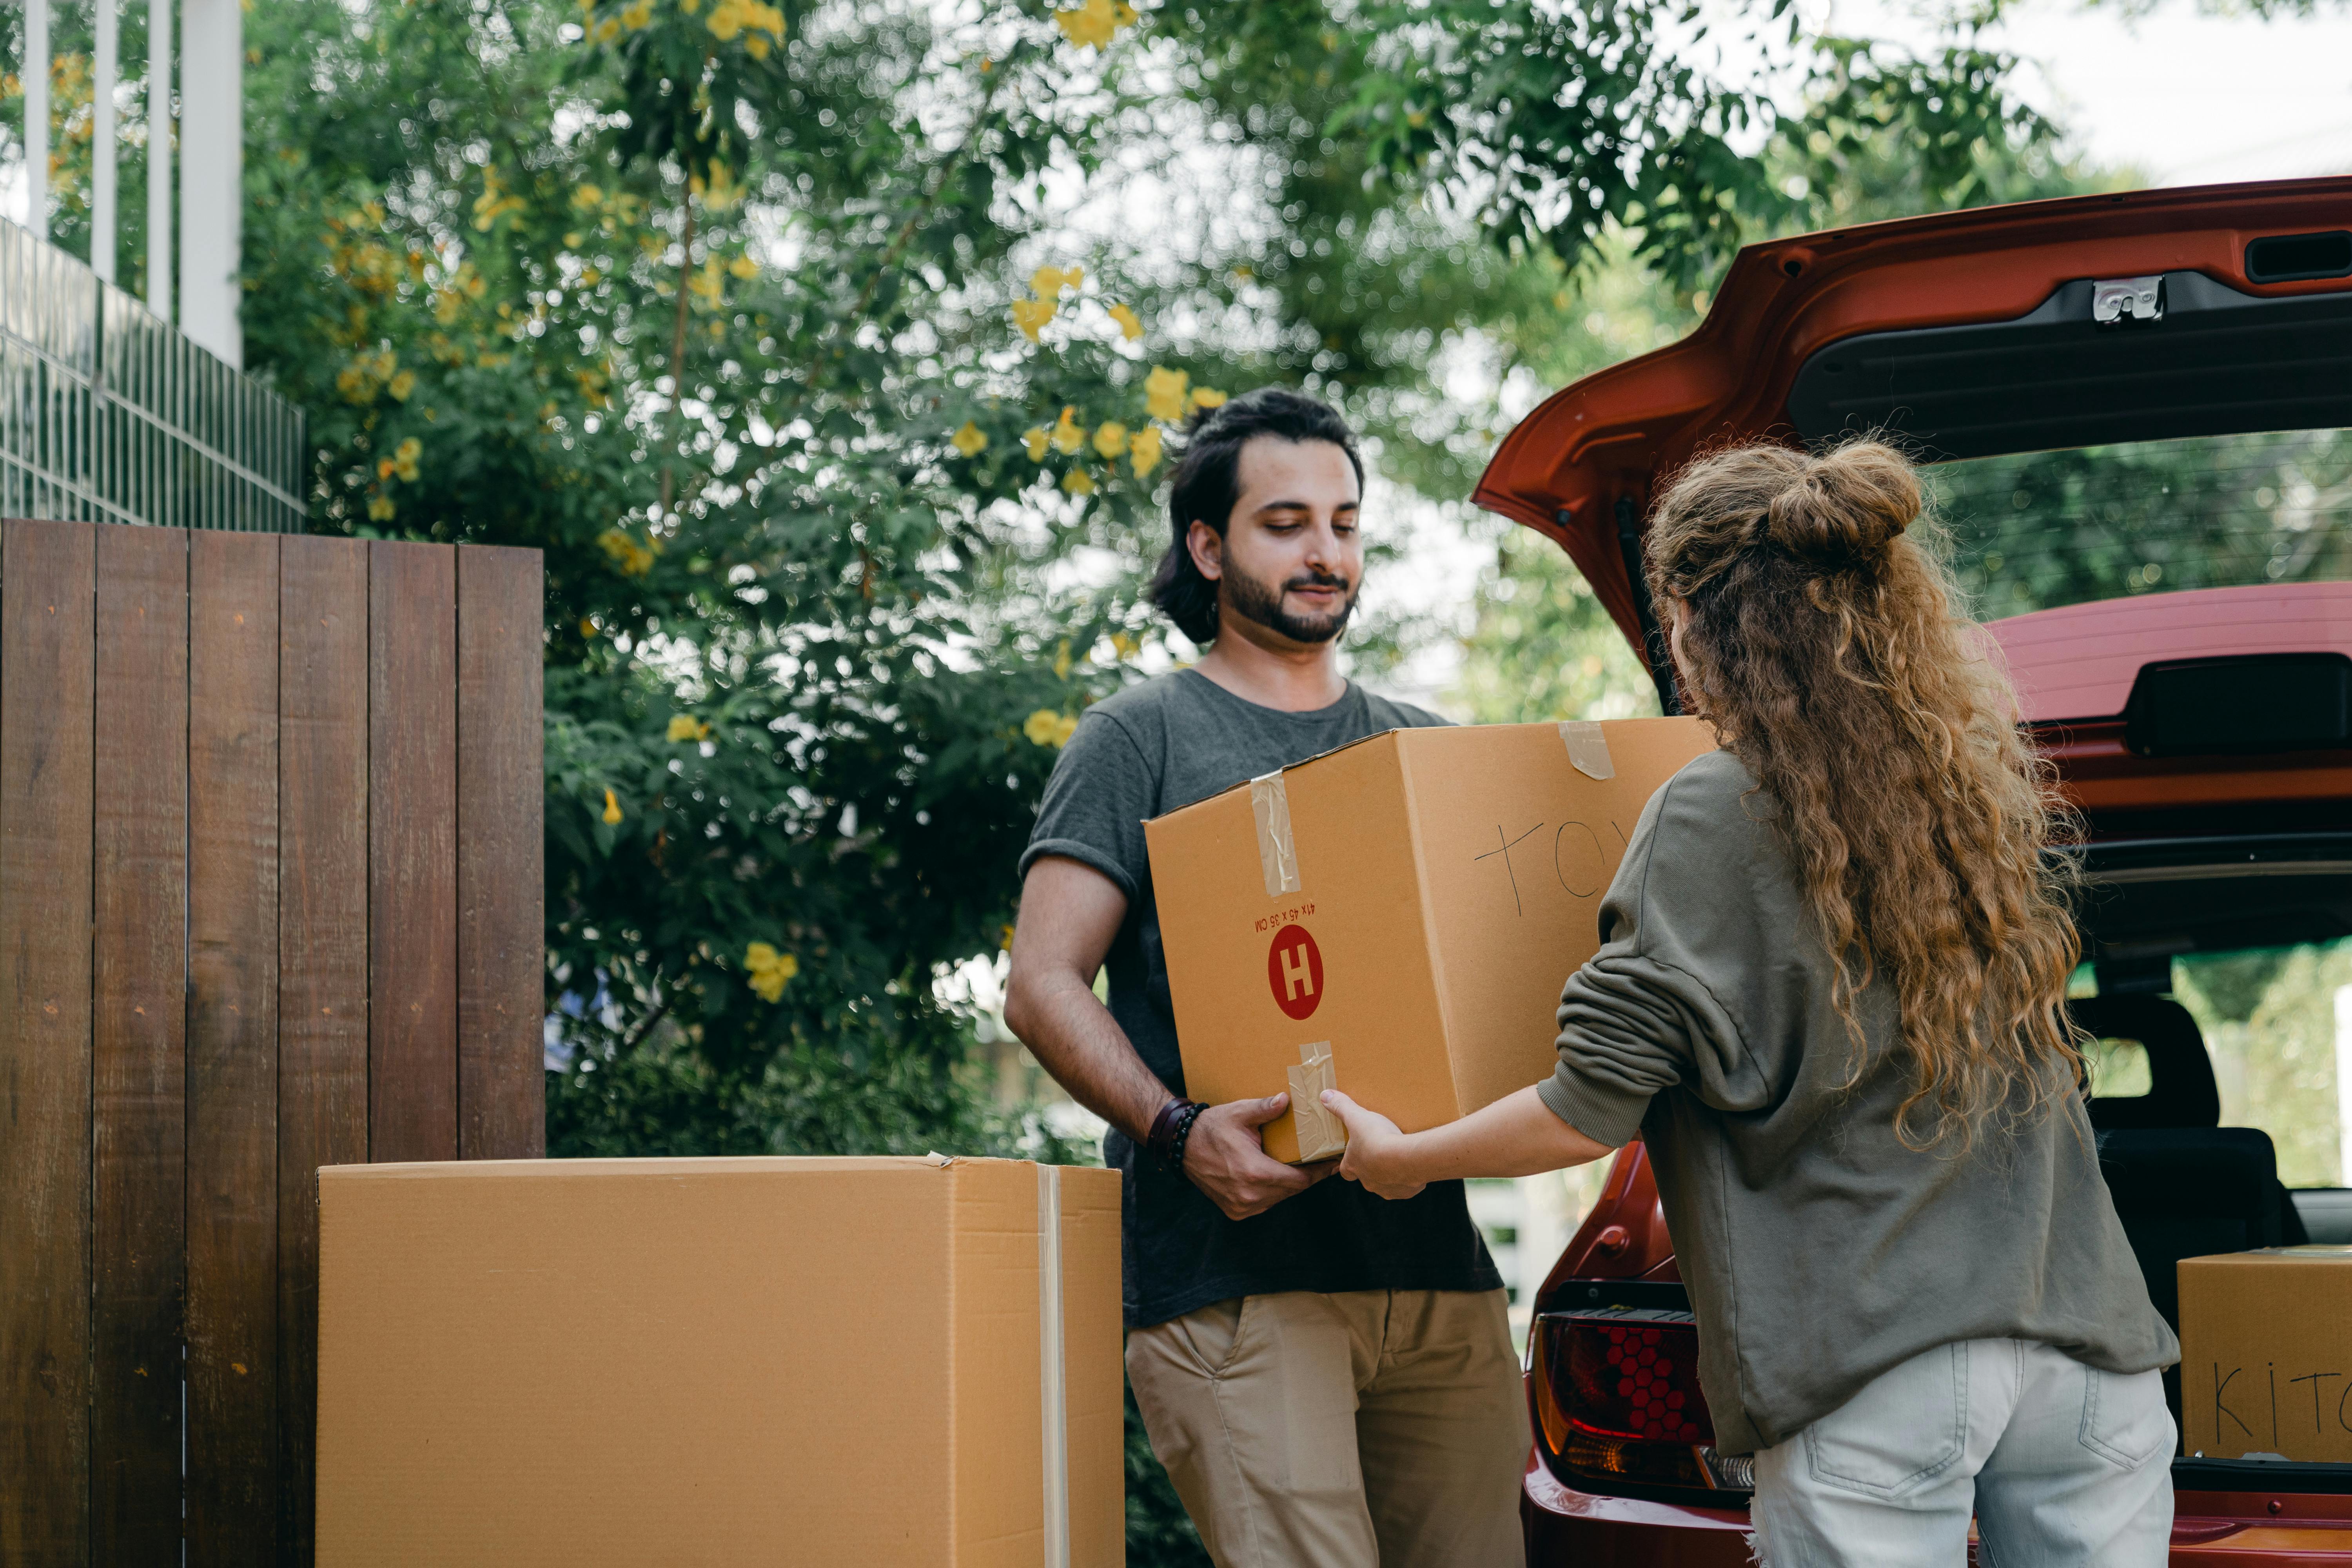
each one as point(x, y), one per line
point(36, 117)
point(159, 157)
point(212, 161)
point(101, 173)
point(2343, 1086)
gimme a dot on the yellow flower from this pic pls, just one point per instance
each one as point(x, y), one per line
point(1143, 450)
point(1004, 939)
point(1163, 393)
point(1034, 438)
point(587, 627)
point(384, 468)
point(1130, 325)
point(686, 727)
point(1040, 726)
point(722, 192)
point(1062, 660)
point(380, 509)
point(1125, 645)
point(1068, 435)
point(748, 19)
point(404, 459)
point(1030, 315)
point(495, 202)
point(636, 15)
point(633, 559)
point(971, 440)
point(402, 384)
point(1207, 397)
point(744, 267)
point(1110, 439)
point(769, 970)
point(1094, 24)
point(1063, 729)
point(612, 807)
point(1079, 482)
point(1047, 282)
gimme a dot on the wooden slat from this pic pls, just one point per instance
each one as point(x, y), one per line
point(46, 725)
point(412, 852)
point(232, 1214)
point(138, 1003)
point(322, 958)
point(501, 1085)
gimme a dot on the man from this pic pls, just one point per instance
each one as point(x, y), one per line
point(1327, 1375)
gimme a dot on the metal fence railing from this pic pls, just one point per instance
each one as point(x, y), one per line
point(109, 414)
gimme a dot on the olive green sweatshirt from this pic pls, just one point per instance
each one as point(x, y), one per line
point(1819, 1250)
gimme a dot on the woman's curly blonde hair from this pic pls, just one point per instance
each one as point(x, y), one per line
point(1832, 651)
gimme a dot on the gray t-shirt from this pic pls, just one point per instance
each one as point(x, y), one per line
point(1819, 1250)
point(1139, 754)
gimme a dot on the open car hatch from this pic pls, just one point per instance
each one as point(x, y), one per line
point(2139, 317)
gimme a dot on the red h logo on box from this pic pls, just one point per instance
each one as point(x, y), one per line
point(1294, 969)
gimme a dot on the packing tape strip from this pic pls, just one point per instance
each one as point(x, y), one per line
point(1053, 1394)
point(1588, 748)
point(1277, 856)
point(1321, 1135)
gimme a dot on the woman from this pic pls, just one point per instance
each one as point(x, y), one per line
point(1831, 997)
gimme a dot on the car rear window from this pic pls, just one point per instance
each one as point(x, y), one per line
point(2039, 530)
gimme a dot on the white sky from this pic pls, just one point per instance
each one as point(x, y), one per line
point(2194, 100)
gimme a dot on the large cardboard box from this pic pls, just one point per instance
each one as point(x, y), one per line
point(719, 1362)
point(2266, 1354)
point(1397, 916)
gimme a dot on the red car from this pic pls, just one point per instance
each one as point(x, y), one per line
point(2135, 410)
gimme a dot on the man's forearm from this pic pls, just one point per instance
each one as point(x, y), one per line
point(1074, 1037)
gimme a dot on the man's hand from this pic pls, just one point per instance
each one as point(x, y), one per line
point(1226, 1158)
point(1378, 1154)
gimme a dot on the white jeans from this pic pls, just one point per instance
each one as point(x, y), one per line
point(2063, 1466)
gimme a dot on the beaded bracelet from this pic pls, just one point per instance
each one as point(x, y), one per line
point(1172, 1130)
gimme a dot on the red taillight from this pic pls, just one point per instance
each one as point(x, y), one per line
point(1617, 1398)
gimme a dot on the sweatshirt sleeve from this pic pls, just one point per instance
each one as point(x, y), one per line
point(1646, 1013)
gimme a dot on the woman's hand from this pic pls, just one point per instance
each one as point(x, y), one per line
point(1379, 1155)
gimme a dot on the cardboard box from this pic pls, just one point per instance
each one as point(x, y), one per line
point(1408, 906)
point(2266, 1354)
point(719, 1362)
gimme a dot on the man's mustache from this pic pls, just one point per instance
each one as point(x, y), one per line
point(1317, 580)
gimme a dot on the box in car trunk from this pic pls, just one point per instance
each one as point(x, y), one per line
point(2266, 1354)
point(1402, 910)
point(721, 1362)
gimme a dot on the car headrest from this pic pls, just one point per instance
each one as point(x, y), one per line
point(2182, 1092)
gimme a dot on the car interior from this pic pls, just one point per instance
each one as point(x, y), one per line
point(2186, 1183)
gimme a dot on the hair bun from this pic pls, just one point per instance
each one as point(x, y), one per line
point(1845, 508)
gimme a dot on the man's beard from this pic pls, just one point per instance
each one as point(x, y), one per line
point(1254, 601)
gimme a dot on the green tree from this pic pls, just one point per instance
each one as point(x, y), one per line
point(764, 324)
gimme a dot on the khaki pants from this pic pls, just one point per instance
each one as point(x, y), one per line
point(1341, 1431)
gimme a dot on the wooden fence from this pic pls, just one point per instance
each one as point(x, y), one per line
point(270, 891)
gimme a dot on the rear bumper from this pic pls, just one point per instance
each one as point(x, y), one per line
point(1569, 1529)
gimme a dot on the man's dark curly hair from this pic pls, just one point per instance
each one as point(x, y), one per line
point(1206, 481)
